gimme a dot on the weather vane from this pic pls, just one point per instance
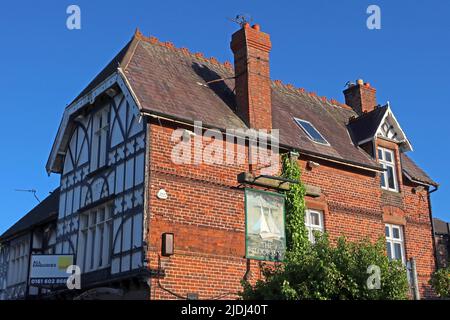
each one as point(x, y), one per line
point(242, 19)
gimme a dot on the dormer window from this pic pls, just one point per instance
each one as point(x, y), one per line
point(311, 131)
point(388, 177)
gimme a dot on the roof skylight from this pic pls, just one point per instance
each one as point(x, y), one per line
point(311, 131)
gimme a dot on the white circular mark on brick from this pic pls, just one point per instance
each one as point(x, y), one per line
point(162, 194)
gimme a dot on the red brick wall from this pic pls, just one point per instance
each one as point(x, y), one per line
point(358, 208)
point(205, 211)
point(361, 97)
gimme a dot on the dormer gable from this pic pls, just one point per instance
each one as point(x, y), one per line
point(378, 123)
point(389, 129)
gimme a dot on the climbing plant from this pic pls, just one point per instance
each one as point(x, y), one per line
point(296, 233)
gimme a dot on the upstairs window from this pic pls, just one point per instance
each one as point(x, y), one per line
point(18, 263)
point(389, 176)
point(394, 242)
point(311, 131)
point(95, 240)
point(100, 139)
point(313, 222)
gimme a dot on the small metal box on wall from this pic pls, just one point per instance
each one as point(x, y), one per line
point(167, 244)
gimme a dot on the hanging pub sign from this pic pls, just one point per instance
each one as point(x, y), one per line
point(265, 237)
point(49, 269)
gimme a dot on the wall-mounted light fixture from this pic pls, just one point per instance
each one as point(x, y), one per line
point(418, 189)
point(167, 244)
point(311, 164)
point(294, 155)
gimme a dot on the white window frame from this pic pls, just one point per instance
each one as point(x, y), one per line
point(384, 163)
point(99, 144)
point(95, 238)
point(391, 241)
point(18, 263)
point(313, 227)
point(298, 122)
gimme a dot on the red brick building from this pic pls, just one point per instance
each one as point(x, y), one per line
point(442, 242)
point(360, 181)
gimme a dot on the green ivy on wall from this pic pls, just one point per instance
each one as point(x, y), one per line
point(324, 270)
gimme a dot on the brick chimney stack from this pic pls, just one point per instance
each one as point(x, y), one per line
point(361, 97)
point(251, 49)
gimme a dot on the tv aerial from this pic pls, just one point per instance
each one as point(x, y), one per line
point(242, 19)
point(33, 191)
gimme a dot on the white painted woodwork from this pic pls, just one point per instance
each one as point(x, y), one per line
point(111, 140)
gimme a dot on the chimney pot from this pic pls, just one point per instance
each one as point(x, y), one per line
point(257, 27)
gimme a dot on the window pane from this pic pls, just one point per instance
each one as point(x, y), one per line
point(383, 179)
point(390, 174)
point(386, 230)
point(396, 233)
point(84, 222)
point(109, 211)
point(101, 215)
point(380, 154)
point(388, 250)
point(398, 251)
point(101, 234)
point(311, 131)
point(92, 218)
point(388, 156)
point(315, 219)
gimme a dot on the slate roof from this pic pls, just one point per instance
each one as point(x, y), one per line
point(176, 83)
point(110, 68)
point(43, 212)
point(441, 227)
point(414, 171)
point(366, 125)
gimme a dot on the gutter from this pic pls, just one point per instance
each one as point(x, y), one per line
point(436, 186)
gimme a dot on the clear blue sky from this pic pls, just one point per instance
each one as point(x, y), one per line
point(318, 45)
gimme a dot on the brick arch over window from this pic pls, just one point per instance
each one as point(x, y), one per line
point(393, 215)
